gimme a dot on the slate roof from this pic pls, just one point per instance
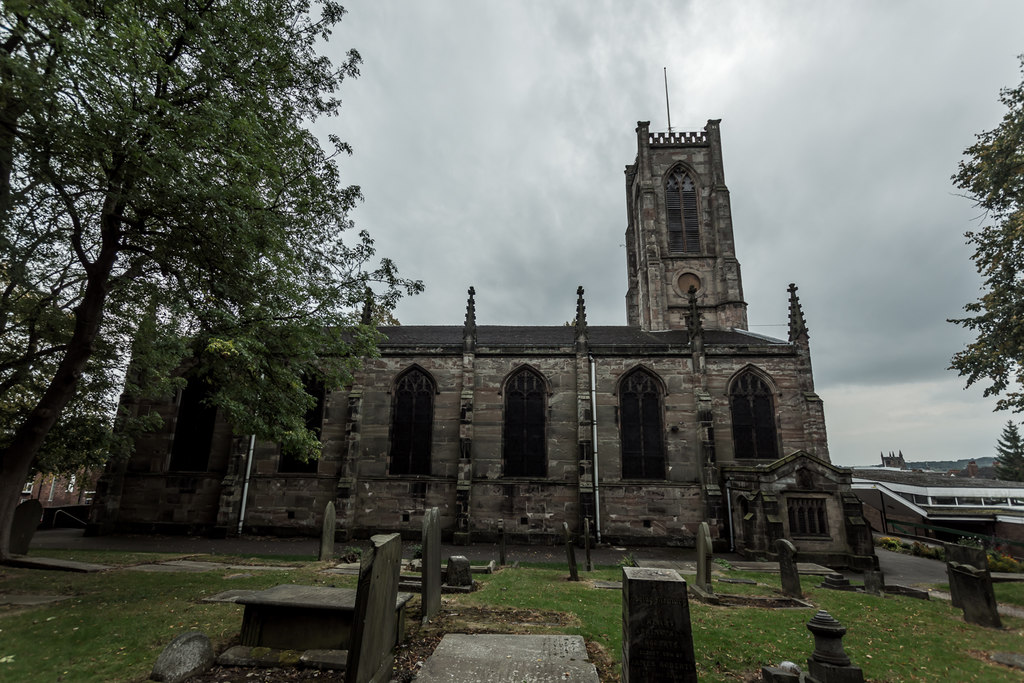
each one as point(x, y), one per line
point(933, 479)
point(560, 335)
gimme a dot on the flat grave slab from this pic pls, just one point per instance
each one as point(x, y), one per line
point(293, 617)
point(773, 568)
point(26, 562)
point(196, 566)
point(232, 595)
point(608, 585)
point(462, 658)
point(681, 566)
point(28, 600)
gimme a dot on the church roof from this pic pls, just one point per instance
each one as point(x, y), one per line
point(561, 335)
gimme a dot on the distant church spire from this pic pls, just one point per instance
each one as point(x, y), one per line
point(581, 320)
point(797, 324)
point(469, 329)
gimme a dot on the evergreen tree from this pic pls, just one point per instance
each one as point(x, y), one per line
point(1010, 448)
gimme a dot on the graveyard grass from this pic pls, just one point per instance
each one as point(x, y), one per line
point(114, 624)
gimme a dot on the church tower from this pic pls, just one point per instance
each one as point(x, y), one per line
point(679, 233)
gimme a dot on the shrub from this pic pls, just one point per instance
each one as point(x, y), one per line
point(924, 550)
point(889, 543)
point(997, 562)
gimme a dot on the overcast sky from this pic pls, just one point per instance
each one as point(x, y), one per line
point(490, 140)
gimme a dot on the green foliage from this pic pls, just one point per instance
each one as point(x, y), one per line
point(1009, 464)
point(161, 199)
point(993, 176)
point(998, 562)
point(627, 560)
point(890, 543)
point(931, 552)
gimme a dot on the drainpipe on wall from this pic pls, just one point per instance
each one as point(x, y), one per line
point(593, 437)
point(245, 482)
point(728, 511)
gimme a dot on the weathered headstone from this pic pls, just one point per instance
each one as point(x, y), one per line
point(570, 553)
point(874, 582)
point(966, 555)
point(373, 633)
point(657, 638)
point(187, 655)
point(327, 533)
point(586, 542)
point(977, 599)
point(24, 525)
point(787, 568)
point(501, 542)
point(704, 557)
point(431, 579)
point(459, 571)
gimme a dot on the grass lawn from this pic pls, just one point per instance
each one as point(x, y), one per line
point(112, 625)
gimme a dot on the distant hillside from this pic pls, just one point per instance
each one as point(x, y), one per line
point(945, 465)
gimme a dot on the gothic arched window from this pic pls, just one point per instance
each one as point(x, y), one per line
point(753, 418)
point(523, 439)
point(412, 419)
point(193, 431)
point(681, 213)
point(314, 418)
point(640, 427)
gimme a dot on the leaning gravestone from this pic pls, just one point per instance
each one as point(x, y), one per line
point(24, 525)
point(430, 582)
point(977, 599)
point(787, 568)
point(190, 654)
point(657, 639)
point(570, 554)
point(459, 571)
point(966, 555)
point(327, 533)
point(373, 627)
point(704, 557)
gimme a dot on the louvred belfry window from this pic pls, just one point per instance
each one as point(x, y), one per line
point(640, 427)
point(411, 423)
point(753, 418)
point(524, 431)
point(681, 213)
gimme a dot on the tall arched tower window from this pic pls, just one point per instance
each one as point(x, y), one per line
point(681, 213)
point(523, 437)
point(289, 463)
point(753, 418)
point(412, 419)
point(193, 432)
point(640, 427)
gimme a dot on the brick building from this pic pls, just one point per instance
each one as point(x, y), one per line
point(647, 429)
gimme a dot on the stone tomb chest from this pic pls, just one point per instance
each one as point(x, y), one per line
point(290, 617)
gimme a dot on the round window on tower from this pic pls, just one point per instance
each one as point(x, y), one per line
point(687, 280)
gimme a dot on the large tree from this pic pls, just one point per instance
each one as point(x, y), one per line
point(161, 199)
point(992, 174)
point(1010, 454)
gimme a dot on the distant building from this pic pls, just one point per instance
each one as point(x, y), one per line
point(681, 416)
point(940, 506)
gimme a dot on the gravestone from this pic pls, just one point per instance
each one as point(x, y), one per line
point(570, 554)
point(586, 542)
point(977, 599)
point(459, 571)
point(187, 655)
point(657, 638)
point(430, 584)
point(829, 662)
point(327, 533)
point(704, 557)
point(24, 525)
point(373, 632)
point(967, 555)
point(874, 582)
point(501, 542)
point(787, 568)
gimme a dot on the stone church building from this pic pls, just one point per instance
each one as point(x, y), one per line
point(647, 429)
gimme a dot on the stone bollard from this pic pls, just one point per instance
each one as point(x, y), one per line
point(829, 662)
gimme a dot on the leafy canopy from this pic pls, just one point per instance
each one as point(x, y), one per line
point(161, 199)
point(993, 176)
